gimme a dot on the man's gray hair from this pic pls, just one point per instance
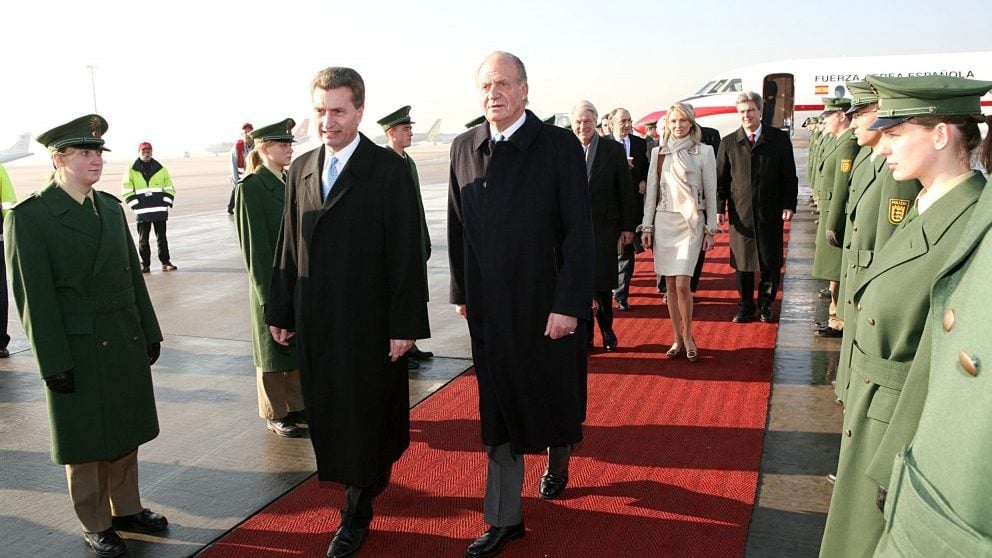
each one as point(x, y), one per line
point(583, 106)
point(521, 71)
point(334, 77)
point(750, 97)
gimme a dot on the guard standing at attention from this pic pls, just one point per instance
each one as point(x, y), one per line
point(399, 133)
point(258, 201)
point(83, 302)
point(147, 189)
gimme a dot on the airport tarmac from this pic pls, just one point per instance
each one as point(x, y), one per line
point(215, 464)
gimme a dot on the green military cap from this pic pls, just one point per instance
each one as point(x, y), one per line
point(862, 94)
point(651, 124)
point(475, 121)
point(901, 98)
point(395, 118)
point(809, 120)
point(85, 131)
point(280, 131)
point(835, 104)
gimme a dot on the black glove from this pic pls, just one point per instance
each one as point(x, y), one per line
point(62, 382)
point(880, 498)
point(832, 239)
point(154, 350)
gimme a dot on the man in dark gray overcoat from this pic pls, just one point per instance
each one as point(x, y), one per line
point(520, 240)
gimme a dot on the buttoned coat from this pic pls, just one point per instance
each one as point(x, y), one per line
point(348, 277)
point(614, 208)
point(258, 202)
point(756, 184)
point(520, 240)
point(876, 206)
point(885, 393)
point(834, 179)
point(940, 494)
point(78, 288)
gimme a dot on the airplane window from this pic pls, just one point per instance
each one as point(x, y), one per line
point(734, 85)
point(705, 88)
point(719, 85)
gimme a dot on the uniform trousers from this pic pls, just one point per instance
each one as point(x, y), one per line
point(357, 511)
point(604, 312)
point(767, 287)
point(501, 506)
point(144, 250)
point(625, 270)
point(100, 490)
point(279, 393)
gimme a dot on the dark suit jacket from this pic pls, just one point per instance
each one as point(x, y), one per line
point(756, 184)
point(711, 137)
point(614, 208)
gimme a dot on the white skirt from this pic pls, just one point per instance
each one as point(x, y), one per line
point(676, 246)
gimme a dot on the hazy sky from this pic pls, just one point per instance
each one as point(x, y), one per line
point(185, 74)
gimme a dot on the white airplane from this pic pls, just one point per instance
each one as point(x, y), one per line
point(431, 135)
point(793, 88)
point(301, 133)
point(18, 150)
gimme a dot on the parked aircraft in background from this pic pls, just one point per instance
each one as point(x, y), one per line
point(301, 133)
point(430, 135)
point(18, 150)
point(793, 89)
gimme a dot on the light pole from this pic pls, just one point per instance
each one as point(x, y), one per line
point(93, 85)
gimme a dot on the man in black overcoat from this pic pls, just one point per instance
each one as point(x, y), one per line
point(350, 226)
point(757, 183)
point(521, 247)
point(636, 151)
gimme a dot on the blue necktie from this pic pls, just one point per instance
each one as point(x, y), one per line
point(330, 176)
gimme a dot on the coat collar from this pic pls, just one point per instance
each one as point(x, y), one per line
point(358, 169)
point(70, 213)
point(111, 221)
point(522, 138)
point(913, 239)
point(978, 226)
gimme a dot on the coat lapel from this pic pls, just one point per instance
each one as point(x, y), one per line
point(309, 184)
point(111, 223)
point(871, 172)
point(913, 239)
point(70, 213)
point(357, 170)
point(592, 158)
point(273, 185)
point(975, 232)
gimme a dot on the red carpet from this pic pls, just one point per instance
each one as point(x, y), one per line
point(668, 467)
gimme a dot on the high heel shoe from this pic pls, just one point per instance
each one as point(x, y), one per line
point(675, 351)
point(692, 355)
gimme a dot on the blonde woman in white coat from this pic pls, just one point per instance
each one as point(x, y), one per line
point(681, 188)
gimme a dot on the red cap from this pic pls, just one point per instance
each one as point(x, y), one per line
point(144, 145)
point(247, 126)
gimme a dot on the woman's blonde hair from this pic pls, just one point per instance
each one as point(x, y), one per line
point(254, 159)
point(58, 175)
point(686, 110)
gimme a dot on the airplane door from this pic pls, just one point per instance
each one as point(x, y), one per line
point(779, 93)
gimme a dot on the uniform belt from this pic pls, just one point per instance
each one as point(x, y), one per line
point(933, 527)
point(99, 304)
point(878, 370)
point(860, 258)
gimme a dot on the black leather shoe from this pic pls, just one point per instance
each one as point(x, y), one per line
point(823, 293)
point(623, 305)
point(416, 354)
point(609, 341)
point(828, 332)
point(743, 317)
point(106, 543)
point(284, 427)
point(347, 541)
point(299, 418)
point(4, 352)
point(492, 541)
point(552, 485)
point(766, 314)
point(145, 268)
point(145, 521)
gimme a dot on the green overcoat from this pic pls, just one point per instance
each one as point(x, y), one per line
point(834, 177)
point(885, 394)
point(425, 235)
point(78, 287)
point(940, 494)
point(877, 204)
point(258, 201)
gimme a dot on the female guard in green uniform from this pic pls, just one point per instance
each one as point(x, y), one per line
point(929, 132)
point(77, 284)
point(258, 208)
